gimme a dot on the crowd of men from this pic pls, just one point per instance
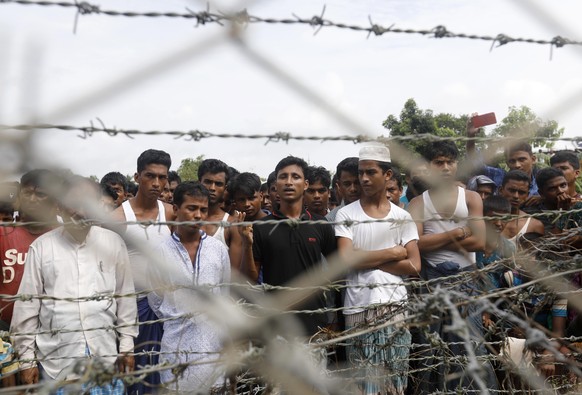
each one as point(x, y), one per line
point(111, 271)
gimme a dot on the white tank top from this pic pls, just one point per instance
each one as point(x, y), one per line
point(434, 223)
point(141, 242)
point(219, 234)
point(521, 232)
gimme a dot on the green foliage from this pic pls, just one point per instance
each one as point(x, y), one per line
point(188, 170)
point(415, 121)
point(523, 122)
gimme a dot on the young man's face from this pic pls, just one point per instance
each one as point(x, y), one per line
point(515, 191)
point(291, 183)
point(393, 193)
point(266, 202)
point(348, 185)
point(485, 190)
point(251, 205)
point(521, 160)
point(35, 203)
point(372, 179)
point(172, 187)
point(273, 195)
point(442, 168)
point(120, 193)
point(555, 190)
point(570, 173)
point(152, 180)
point(496, 224)
point(193, 208)
point(165, 196)
point(216, 185)
point(317, 198)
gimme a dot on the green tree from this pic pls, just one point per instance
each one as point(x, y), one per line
point(523, 122)
point(188, 170)
point(415, 121)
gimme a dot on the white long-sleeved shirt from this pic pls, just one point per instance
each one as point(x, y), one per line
point(59, 266)
point(197, 339)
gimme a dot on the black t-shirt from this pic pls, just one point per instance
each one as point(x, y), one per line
point(286, 251)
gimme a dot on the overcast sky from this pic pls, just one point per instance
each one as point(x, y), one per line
point(47, 72)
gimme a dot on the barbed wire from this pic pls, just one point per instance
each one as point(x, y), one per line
point(205, 17)
point(293, 222)
point(198, 135)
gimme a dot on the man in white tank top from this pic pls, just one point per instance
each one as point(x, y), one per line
point(451, 229)
point(141, 240)
point(213, 174)
point(515, 188)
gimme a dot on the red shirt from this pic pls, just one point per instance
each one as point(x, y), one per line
point(14, 243)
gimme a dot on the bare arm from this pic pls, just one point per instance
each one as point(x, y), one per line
point(234, 242)
point(249, 266)
point(373, 259)
point(170, 215)
point(408, 266)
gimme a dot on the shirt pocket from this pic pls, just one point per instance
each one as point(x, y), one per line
point(104, 278)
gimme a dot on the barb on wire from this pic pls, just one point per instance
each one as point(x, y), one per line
point(555, 215)
point(198, 135)
point(206, 17)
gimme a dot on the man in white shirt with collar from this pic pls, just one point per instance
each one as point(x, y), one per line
point(75, 261)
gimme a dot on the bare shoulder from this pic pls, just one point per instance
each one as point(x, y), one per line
point(473, 199)
point(415, 204)
point(118, 214)
point(169, 209)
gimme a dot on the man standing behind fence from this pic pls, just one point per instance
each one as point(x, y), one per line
point(451, 228)
point(192, 260)
point(72, 262)
point(393, 252)
point(151, 176)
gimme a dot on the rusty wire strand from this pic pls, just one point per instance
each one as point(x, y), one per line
point(205, 17)
point(198, 135)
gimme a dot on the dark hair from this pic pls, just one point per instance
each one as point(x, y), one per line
point(190, 188)
point(155, 157)
point(448, 149)
point(397, 176)
point(114, 177)
point(132, 188)
point(271, 179)
point(566, 156)
point(545, 175)
point(173, 176)
point(518, 146)
point(289, 161)
point(349, 165)
point(496, 203)
point(247, 183)
point(232, 173)
point(385, 166)
point(106, 190)
point(213, 166)
point(38, 178)
point(318, 173)
point(516, 175)
point(264, 187)
point(7, 208)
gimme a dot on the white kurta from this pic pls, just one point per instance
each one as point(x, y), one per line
point(58, 266)
point(196, 339)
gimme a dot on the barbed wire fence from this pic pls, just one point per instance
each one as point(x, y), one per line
point(263, 350)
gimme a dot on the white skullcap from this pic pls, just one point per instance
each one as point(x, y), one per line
point(377, 152)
